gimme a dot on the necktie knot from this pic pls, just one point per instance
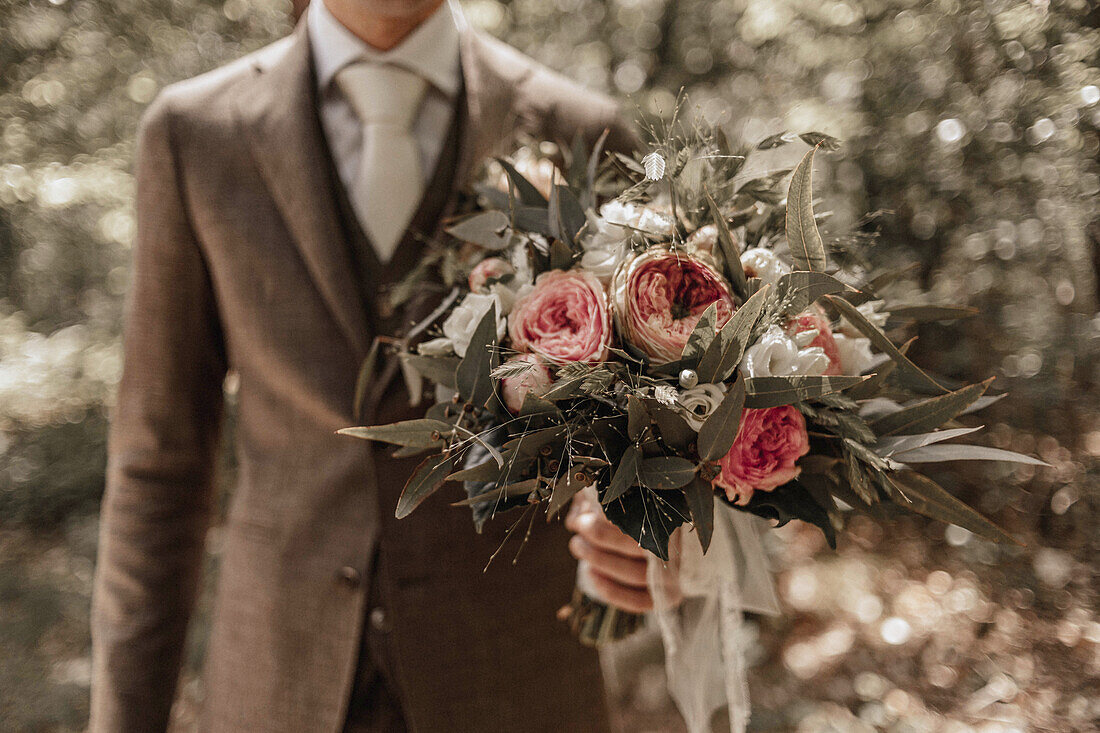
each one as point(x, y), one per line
point(382, 94)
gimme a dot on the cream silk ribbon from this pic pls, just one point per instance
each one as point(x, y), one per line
point(698, 605)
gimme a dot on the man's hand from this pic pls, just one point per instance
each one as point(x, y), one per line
point(616, 563)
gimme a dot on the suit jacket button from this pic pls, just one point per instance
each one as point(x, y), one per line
point(350, 576)
point(379, 621)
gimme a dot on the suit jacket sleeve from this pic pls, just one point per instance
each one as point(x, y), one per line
point(161, 452)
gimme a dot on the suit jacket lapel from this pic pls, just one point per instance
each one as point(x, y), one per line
point(491, 84)
point(283, 128)
point(282, 125)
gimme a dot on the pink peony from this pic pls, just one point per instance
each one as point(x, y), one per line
point(660, 296)
point(815, 320)
point(536, 379)
point(488, 269)
point(564, 318)
point(763, 455)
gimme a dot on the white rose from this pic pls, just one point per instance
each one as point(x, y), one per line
point(648, 220)
point(777, 355)
point(699, 402)
point(855, 353)
point(655, 222)
point(441, 346)
point(460, 324)
point(764, 264)
point(606, 246)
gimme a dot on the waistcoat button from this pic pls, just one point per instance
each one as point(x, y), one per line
point(378, 620)
point(350, 576)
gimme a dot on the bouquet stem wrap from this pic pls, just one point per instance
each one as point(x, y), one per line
point(699, 599)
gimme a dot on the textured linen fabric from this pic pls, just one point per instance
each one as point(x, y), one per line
point(240, 263)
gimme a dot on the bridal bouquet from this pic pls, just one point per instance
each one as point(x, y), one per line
point(673, 333)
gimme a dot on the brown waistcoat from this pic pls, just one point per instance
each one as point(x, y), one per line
point(241, 263)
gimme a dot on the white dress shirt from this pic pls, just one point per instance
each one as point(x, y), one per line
point(431, 51)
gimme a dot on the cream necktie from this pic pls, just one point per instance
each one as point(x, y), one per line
point(389, 183)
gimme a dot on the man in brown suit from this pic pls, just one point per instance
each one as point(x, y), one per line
point(251, 257)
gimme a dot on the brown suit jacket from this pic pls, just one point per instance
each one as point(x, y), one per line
point(240, 263)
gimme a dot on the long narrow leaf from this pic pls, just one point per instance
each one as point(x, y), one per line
point(625, 476)
point(666, 472)
point(928, 414)
point(940, 453)
point(924, 496)
point(890, 446)
point(803, 237)
point(417, 433)
point(700, 500)
point(884, 344)
point(472, 376)
point(426, 479)
point(720, 429)
point(725, 351)
point(731, 254)
point(775, 391)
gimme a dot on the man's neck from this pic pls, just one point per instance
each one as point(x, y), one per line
point(378, 30)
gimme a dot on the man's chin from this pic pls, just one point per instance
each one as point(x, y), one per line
point(398, 9)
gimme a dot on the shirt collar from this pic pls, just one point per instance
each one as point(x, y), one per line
point(430, 51)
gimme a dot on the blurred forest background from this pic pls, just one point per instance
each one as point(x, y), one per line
point(972, 123)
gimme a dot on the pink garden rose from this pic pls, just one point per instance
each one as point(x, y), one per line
point(488, 269)
point(536, 379)
point(660, 296)
point(763, 455)
point(564, 318)
point(815, 320)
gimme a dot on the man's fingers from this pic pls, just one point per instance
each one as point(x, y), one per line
point(603, 534)
point(629, 599)
point(626, 570)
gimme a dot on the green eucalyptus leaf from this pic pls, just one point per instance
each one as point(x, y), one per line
point(899, 444)
point(438, 369)
point(803, 237)
point(563, 215)
point(927, 313)
point(649, 517)
point(764, 392)
point(366, 376)
point(520, 488)
point(425, 480)
point(488, 229)
point(472, 377)
point(731, 253)
point(954, 452)
point(719, 430)
point(726, 350)
point(922, 495)
point(637, 417)
point(561, 255)
point(527, 192)
point(799, 289)
point(625, 475)
point(674, 430)
point(566, 487)
point(883, 344)
point(929, 414)
point(699, 495)
point(702, 335)
point(666, 472)
point(821, 140)
point(416, 433)
point(787, 502)
point(777, 140)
